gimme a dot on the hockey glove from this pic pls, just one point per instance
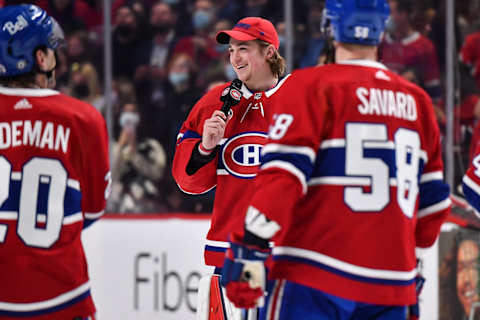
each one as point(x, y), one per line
point(244, 275)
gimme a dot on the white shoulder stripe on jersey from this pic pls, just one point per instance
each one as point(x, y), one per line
point(439, 206)
point(270, 92)
point(281, 148)
point(290, 168)
point(471, 184)
point(342, 181)
point(332, 143)
point(344, 266)
point(220, 244)
point(71, 219)
point(8, 215)
point(37, 306)
point(13, 215)
point(340, 143)
point(74, 184)
point(431, 176)
point(94, 215)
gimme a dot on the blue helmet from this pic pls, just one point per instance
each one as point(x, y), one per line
point(357, 21)
point(25, 28)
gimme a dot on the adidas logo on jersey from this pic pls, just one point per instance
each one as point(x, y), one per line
point(22, 104)
point(382, 75)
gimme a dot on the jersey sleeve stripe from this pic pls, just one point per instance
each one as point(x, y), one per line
point(74, 184)
point(333, 264)
point(189, 134)
point(38, 306)
point(287, 166)
point(436, 175)
point(433, 192)
point(94, 215)
point(436, 208)
point(76, 217)
point(472, 192)
point(279, 148)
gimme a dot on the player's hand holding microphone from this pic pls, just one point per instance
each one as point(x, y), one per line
point(214, 127)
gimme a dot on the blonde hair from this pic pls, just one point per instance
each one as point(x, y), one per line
point(277, 63)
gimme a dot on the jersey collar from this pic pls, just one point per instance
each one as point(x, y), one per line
point(364, 63)
point(29, 92)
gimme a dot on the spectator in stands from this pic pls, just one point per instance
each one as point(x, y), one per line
point(128, 49)
point(68, 13)
point(228, 10)
point(138, 167)
point(181, 94)
point(85, 85)
point(161, 43)
point(459, 276)
point(78, 47)
point(316, 39)
point(220, 69)
point(404, 48)
point(200, 46)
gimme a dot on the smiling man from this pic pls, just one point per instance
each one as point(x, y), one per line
point(225, 152)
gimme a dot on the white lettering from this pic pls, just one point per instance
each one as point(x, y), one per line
point(14, 27)
point(31, 136)
point(374, 102)
point(16, 133)
point(401, 104)
point(62, 138)
point(47, 137)
point(392, 105)
point(361, 93)
point(411, 108)
point(383, 102)
point(5, 135)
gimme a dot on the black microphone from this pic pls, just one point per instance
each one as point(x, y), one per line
point(231, 96)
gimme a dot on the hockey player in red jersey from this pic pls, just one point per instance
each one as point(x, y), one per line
point(54, 175)
point(214, 150)
point(351, 181)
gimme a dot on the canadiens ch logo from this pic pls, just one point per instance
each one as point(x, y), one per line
point(241, 154)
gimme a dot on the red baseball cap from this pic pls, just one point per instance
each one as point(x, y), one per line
point(250, 28)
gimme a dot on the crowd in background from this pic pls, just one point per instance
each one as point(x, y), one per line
point(165, 57)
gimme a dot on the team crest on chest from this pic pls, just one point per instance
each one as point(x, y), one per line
point(241, 154)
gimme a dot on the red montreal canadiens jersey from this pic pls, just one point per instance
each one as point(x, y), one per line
point(235, 165)
point(353, 161)
point(54, 173)
point(416, 53)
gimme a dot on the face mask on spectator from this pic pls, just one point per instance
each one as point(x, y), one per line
point(171, 2)
point(229, 72)
point(81, 90)
point(129, 119)
point(161, 28)
point(125, 30)
point(201, 19)
point(178, 78)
